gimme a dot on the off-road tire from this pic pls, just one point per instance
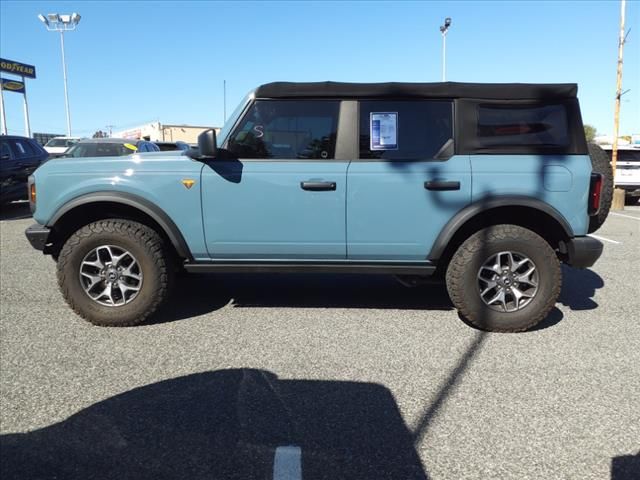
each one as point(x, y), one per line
point(149, 250)
point(462, 284)
point(601, 164)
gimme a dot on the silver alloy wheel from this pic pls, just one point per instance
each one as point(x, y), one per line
point(507, 281)
point(110, 276)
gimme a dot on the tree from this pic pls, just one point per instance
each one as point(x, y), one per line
point(590, 132)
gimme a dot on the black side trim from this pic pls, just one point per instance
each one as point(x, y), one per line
point(470, 211)
point(37, 236)
point(347, 142)
point(423, 268)
point(583, 252)
point(142, 204)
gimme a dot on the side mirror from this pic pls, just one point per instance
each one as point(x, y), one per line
point(206, 146)
point(207, 143)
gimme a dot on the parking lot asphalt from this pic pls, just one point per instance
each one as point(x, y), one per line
point(367, 379)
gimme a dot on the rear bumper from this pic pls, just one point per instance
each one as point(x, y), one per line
point(37, 235)
point(583, 252)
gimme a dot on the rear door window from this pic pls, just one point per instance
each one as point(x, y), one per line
point(287, 129)
point(22, 149)
point(422, 127)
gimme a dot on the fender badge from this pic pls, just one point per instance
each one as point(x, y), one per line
point(188, 183)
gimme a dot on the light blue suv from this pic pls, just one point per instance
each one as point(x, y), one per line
point(488, 187)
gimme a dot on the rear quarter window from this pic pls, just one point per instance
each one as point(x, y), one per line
point(530, 125)
point(519, 127)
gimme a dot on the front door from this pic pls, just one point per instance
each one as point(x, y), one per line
point(276, 192)
point(407, 183)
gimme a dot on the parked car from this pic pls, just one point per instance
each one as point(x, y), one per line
point(338, 177)
point(19, 157)
point(627, 169)
point(109, 147)
point(172, 146)
point(58, 145)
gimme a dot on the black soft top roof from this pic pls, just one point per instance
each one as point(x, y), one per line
point(492, 91)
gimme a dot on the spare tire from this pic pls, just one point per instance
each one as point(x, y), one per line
point(600, 163)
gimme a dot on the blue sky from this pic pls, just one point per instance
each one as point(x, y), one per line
point(135, 62)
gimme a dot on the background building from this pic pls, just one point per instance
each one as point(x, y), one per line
point(159, 132)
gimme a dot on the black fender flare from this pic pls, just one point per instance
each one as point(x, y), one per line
point(135, 201)
point(488, 203)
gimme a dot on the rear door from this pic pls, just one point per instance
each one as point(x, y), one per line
point(8, 169)
point(276, 192)
point(26, 157)
point(407, 183)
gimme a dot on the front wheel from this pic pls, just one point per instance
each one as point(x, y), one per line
point(504, 278)
point(114, 272)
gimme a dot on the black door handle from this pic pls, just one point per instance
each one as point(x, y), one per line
point(318, 186)
point(441, 185)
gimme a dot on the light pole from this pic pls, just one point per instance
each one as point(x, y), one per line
point(443, 30)
point(62, 23)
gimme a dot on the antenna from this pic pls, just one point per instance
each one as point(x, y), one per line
point(224, 99)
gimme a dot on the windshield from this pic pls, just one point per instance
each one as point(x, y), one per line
point(98, 150)
point(626, 155)
point(228, 125)
point(60, 142)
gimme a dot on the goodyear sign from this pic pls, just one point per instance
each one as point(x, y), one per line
point(12, 85)
point(17, 68)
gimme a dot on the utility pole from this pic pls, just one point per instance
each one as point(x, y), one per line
point(224, 99)
point(109, 127)
point(616, 117)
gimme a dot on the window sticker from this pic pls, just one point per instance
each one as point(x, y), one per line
point(384, 130)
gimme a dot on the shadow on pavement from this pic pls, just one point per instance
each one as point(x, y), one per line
point(625, 467)
point(223, 424)
point(15, 211)
point(200, 294)
point(578, 288)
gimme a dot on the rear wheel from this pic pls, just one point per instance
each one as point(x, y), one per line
point(114, 272)
point(504, 278)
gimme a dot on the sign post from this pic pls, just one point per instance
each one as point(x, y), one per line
point(24, 71)
point(27, 126)
point(4, 118)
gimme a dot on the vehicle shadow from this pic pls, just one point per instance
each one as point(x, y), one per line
point(579, 287)
point(625, 467)
point(15, 211)
point(198, 294)
point(224, 424)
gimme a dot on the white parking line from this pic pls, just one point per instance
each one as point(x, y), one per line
point(625, 216)
point(287, 464)
point(597, 237)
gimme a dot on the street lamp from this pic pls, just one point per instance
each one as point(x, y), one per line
point(443, 30)
point(62, 23)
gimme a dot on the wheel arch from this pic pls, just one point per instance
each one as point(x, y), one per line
point(101, 205)
point(523, 211)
